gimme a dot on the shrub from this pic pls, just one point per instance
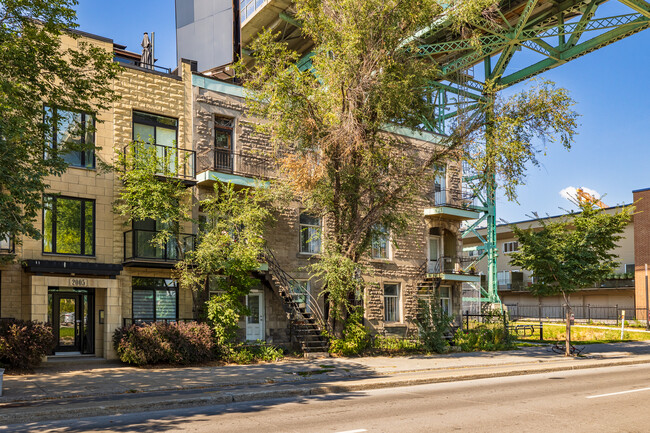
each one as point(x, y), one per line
point(356, 338)
point(491, 335)
point(433, 324)
point(223, 314)
point(256, 353)
point(24, 343)
point(394, 346)
point(165, 343)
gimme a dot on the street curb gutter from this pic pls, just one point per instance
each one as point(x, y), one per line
point(218, 398)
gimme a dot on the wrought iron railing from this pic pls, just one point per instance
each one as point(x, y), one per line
point(138, 245)
point(239, 163)
point(289, 287)
point(454, 197)
point(451, 265)
point(172, 161)
point(580, 312)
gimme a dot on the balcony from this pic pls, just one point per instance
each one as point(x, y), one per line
point(453, 204)
point(452, 269)
point(172, 162)
point(239, 168)
point(139, 250)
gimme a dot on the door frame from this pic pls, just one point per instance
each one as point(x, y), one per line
point(261, 334)
point(80, 329)
point(440, 240)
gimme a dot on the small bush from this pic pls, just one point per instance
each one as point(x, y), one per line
point(24, 343)
point(433, 324)
point(356, 338)
point(396, 346)
point(223, 314)
point(165, 343)
point(260, 352)
point(484, 337)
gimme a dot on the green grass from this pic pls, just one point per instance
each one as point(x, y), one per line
point(584, 335)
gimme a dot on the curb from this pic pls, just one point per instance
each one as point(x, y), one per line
point(220, 398)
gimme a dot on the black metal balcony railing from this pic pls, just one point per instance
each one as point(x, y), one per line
point(450, 265)
point(454, 197)
point(172, 161)
point(138, 245)
point(239, 163)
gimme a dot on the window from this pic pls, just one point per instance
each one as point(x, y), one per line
point(72, 130)
point(380, 247)
point(510, 247)
point(223, 128)
point(445, 299)
point(629, 268)
point(154, 299)
point(439, 185)
point(160, 132)
point(391, 303)
point(310, 230)
point(145, 231)
point(504, 278)
point(6, 244)
point(68, 226)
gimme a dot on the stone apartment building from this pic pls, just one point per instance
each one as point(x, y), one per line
point(91, 273)
point(513, 282)
point(228, 149)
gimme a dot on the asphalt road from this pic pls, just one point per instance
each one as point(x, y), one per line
point(613, 399)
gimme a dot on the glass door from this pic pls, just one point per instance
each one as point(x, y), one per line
point(434, 255)
point(67, 322)
point(72, 321)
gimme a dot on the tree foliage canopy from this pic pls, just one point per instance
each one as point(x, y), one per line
point(36, 70)
point(333, 122)
point(573, 253)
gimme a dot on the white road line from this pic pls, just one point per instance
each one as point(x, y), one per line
point(619, 393)
point(361, 430)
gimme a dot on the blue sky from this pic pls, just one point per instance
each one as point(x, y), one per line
point(611, 86)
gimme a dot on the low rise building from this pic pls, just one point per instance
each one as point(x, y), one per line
point(603, 299)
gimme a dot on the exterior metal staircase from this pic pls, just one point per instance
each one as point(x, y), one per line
point(305, 315)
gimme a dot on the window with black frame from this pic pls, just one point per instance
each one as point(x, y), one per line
point(68, 225)
point(161, 133)
point(154, 299)
point(71, 136)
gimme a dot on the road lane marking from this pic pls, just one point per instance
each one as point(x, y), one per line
point(619, 393)
point(361, 430)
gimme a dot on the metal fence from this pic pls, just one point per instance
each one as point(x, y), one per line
point(580, 312)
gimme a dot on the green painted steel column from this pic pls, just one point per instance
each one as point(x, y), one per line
point(491, 187)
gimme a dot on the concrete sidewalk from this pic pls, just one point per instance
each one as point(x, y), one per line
point(66, 388)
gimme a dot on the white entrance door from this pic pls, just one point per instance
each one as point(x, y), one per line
point(255, 322)
point(434, 255)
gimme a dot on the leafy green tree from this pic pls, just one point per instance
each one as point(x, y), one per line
point(330, 124)
point(36, 70)
point(572, 253)
point(228, 247)
point(151, 189)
